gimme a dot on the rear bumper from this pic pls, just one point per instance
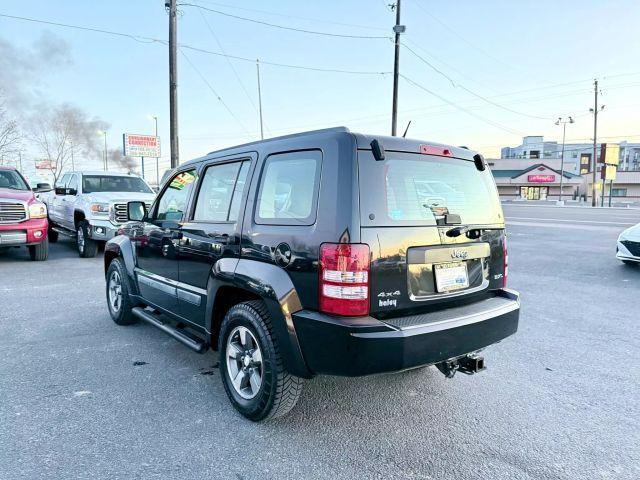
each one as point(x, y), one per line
point(30, 232)
point(364, 345)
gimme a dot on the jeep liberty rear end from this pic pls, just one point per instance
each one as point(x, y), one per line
point(433, 288)
point(325, 252)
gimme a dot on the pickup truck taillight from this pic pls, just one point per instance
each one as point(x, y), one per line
point(344, 278)
point(506, 262)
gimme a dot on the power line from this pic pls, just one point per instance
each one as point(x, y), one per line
point(204, 79)
point(233, 69)
point(282, 27)
point(286, 65)
point(462, 109)
point(315, 20)
point(137, 38)
point(456, 34)
point(455, 85)
point(149, 40)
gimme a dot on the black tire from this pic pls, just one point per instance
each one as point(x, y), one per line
point(121, 314)
point(87, 248)
point(39, 252)
point(630, 263)
point(53, 235)
point(279, 391)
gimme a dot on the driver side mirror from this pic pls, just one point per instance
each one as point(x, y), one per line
point(136, 211)
point(42, 187)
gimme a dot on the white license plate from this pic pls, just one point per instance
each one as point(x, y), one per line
point(451, 276)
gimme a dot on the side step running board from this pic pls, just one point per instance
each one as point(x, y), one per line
point(156, 321)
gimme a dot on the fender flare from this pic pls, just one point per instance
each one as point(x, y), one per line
point(121, 246)
point(274, 287)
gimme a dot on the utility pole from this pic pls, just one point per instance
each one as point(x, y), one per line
point(398, 29)
point(170, 5)
point(564, 133)
point(259, 99)
point(595, 139)
point(20, 160)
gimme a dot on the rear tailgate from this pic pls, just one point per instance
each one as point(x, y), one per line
point(406, 201)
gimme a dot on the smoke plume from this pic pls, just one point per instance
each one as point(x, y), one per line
point(22, 69)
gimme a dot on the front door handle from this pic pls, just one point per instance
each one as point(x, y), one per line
point(174, 234)
point(222, 239)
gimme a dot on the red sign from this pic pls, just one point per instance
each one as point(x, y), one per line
point(141, 145)
point(541, 178)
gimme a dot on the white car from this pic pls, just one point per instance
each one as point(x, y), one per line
point(629, 245)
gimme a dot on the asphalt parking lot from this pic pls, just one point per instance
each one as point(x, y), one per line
point(83, 398)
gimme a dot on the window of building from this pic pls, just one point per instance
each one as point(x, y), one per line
point(618, 192)
point(535, 154)
point(289, 189)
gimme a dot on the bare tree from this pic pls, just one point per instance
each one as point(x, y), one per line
point(9, 134)
point(58, 130)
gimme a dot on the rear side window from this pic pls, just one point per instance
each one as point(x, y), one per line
point(289, 188)
point(419, 189)
point(221, 192)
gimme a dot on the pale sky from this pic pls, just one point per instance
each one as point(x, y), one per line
point(531, 60)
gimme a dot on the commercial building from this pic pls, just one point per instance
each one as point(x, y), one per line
point(513, 171)
point(522, 179)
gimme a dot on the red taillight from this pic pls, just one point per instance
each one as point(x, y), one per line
point(433, 150)
point(506, 262)
point(344, 278)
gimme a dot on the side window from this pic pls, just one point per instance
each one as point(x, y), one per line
point(221, 192)
point(62, 181)
point(174, 199)
point(289, 189)
point(73, 182)
point(234, 209)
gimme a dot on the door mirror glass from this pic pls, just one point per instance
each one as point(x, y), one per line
point(136, 211)
point(61, 191)
point(42, 187)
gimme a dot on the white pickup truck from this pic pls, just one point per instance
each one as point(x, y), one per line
point(91, 206)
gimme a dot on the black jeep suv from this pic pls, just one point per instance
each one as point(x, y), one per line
point(326, 252)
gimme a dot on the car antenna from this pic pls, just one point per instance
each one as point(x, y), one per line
point(406, 129)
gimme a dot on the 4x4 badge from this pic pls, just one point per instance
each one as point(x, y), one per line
point(459, 254)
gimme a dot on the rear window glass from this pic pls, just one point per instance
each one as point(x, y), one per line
point(289, 189)
point(420, 189)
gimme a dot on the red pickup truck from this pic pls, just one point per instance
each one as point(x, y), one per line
point(23, 218)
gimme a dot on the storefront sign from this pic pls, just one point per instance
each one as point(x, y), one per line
point(140, 145)
point(541, 178)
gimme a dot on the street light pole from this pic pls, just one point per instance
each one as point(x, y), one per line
point(73, 165)
point(104, 133)
point(155, 118)
point(564, 133)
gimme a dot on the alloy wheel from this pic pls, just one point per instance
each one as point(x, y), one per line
point(244, 362)
point(80, 239)
point(115, 291)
